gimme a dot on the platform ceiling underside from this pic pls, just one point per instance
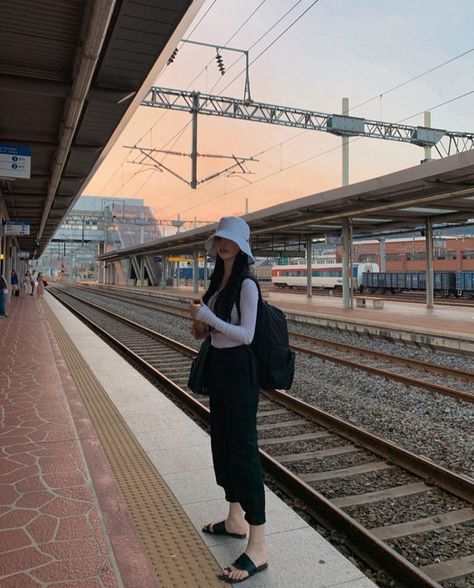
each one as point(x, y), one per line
point(442, 191)
point(42, 63)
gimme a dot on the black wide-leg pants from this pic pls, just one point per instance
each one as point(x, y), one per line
point(234, 394)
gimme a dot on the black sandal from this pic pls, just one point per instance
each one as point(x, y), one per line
point(219, 529)
point(242, 564)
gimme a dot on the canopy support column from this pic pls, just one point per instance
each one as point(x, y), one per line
point(195, 270)
point(429, 264)
point(347, 301)
point(309, 267)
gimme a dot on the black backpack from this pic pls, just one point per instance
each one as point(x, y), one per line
point(276, 361)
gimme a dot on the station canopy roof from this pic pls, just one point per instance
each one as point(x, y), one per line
point(72, 72)
point(440, 190)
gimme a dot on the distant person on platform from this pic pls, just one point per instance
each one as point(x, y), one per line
point(32, 282)
point(14, 283)
point(26, 282)
point(3, 296)
point(41, 285)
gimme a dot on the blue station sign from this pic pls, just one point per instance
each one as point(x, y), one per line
point(15, 161)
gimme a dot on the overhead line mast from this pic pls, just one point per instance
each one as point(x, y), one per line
point(445, 142)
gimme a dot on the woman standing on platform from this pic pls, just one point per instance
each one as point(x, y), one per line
point(41, 284)
point(3, 296)
point(234, 393)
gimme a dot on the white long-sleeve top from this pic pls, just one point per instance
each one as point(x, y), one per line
point(233, 334)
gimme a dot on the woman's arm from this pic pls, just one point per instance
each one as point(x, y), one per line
point(244, 332)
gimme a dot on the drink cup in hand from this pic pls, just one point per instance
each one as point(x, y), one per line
point(199, 329)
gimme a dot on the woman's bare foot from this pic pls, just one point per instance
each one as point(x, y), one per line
point(231, 527)
point(248, 564)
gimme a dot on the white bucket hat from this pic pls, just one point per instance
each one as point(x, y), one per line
point(235, 229)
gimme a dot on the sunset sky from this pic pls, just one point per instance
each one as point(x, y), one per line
point(355, 48)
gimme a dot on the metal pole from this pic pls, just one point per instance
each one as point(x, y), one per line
point(196, 270)
point(206, 270)
point(427, 123)
point(346, 244)
point(345, 147)
point(164, 270)
point(429, 263)
point(309, 268)
point(382, 254)
point(194, 154)
point(346, 232)
point(142, 270)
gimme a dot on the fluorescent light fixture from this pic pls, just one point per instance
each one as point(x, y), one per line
point(126, 97)
point(428, 210)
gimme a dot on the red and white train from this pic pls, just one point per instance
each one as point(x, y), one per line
point(323, 276)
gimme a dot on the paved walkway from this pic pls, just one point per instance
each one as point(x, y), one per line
point(62, 520)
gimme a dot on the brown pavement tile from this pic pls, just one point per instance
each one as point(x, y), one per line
point(20, 581)
point(13, 539)
point(8, 494)
point(77, 492)
point(71, 549)
point(79, 568)
point(65, 507)
point(43, 528)
point(25, 459)
point(51, 449)
point(20, 474)
point(74, 528)
point(61, 463)
point(30, 483)
point(34, 500)
point(21, 560)
point(16, 518)
point(64, 480)
point(81, 584)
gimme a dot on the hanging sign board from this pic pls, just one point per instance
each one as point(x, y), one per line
point(12, 228)
point(15, 161)
point(333, 238)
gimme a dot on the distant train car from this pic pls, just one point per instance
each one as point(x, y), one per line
point(186, 273)
point(465, 284)
point(263, 273)
point(444, 283)
point(323, 276)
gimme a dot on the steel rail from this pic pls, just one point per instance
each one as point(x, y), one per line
point(422, 365)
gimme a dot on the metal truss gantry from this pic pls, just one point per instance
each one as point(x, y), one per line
point(445, 142)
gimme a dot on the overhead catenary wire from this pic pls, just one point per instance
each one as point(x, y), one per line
point(417, 77)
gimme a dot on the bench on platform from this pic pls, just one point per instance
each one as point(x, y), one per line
point(361, 302)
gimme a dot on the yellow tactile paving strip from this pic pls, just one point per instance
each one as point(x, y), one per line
point(174, 547)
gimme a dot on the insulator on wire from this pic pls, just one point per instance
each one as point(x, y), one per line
point(172, 56)
point(220, 63)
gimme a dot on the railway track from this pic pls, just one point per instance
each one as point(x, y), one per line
point(389, 502)
point(427, 376)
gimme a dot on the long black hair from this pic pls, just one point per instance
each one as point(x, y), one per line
point(227, 297)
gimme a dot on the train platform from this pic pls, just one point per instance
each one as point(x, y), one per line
point(104, 482)
point(442, 327)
